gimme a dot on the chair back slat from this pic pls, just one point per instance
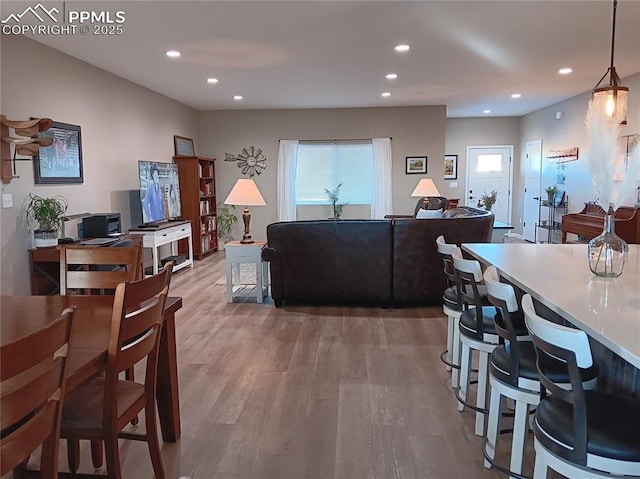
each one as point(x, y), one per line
point(88, 267)
point(138, 349)
point(32, 372)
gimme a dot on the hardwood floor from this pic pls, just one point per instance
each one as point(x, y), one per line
point(310, 392)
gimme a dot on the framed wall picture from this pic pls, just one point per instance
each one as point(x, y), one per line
point(416, 165)
point(183, 146)
point(450, 167)
point(61, 162)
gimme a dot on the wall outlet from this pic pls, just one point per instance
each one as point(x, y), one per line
point(7, 200)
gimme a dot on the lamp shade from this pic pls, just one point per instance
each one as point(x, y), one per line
point(245, 193)
point(426, 187)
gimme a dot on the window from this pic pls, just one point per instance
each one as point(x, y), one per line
point(325, 165)
point(487, 163)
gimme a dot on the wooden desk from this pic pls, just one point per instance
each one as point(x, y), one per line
point(21, 315)
point(45, 266)
point(558, 277)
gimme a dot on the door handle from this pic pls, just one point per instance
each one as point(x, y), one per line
point(536, 198)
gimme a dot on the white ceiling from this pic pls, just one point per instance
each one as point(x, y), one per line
point(468, 55)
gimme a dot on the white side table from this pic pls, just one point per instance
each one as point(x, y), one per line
point(238, 253)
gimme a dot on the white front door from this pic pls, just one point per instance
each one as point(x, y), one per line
point(489, 169)
point(531, 167)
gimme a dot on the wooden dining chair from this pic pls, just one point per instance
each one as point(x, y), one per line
point(82, 269)
point(97, 270)
point(102, 408)
point(32, 376)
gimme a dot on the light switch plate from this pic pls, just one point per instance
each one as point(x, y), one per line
point(453, 184)
point(7, 200)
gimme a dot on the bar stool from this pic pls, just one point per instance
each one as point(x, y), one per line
point(452, 306)
point(513, 374)
point(578, 433)
point(477, 333)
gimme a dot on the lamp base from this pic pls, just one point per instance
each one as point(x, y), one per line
point(246, 218)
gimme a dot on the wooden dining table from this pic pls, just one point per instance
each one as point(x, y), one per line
point(22, 315)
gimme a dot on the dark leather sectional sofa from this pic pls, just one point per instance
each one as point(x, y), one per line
point(392, 262)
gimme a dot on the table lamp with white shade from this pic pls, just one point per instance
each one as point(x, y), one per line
point(426, 187)
point(245, 193)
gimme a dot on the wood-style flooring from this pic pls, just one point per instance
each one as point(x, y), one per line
point(310, 392)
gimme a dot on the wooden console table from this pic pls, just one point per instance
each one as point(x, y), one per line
point(44, 264)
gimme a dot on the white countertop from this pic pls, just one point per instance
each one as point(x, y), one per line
point(558, 275)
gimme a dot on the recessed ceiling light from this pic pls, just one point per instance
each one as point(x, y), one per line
point(486, 112)
point(391, 76)
point(212, 80)
point(173, 53)
point(565, 71)
point(237, 97)
point(402, 48)
point(386, 94)
point(516, 95)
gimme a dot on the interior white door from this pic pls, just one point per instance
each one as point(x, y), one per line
point(532, 170)
point(488, 169)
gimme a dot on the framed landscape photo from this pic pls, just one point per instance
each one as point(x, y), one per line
point(450, 167)
point(61, 162)
point(184, 146)
point(416, 165)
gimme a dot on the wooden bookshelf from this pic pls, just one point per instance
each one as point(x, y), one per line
point(198, 201)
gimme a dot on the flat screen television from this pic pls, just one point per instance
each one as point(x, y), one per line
point(159, 191)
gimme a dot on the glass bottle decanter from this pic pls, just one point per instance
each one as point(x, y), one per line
point(607, 252)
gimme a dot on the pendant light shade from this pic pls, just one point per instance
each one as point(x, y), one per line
point(612, 94)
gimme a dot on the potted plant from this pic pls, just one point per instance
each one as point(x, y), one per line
point(551, 192)
point(48, 213)
point(333, 196)
point(227, 219)
point(488, 200)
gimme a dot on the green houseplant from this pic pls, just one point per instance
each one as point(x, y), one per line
point(488, 200)
point(48, 214)
point(227, 219)
point(334, 198)
point(551, 192)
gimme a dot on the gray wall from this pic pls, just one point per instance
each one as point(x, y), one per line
point(121, 123)
point(416, 131)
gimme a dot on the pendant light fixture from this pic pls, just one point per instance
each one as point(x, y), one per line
point(613, 94)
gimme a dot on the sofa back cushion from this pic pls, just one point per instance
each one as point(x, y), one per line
point(418, 275)
point(331, 260)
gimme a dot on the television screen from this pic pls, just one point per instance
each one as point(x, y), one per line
point(159, 191)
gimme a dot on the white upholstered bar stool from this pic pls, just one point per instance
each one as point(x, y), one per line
point(477, 333)
point(514, 375)
point(579, 433)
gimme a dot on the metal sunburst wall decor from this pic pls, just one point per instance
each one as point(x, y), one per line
point(252, 161)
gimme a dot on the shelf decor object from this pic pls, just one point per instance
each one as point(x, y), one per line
point(612, 94)
point(608, 252)
point(245, 193)
point(27, 143)
point(183, 147)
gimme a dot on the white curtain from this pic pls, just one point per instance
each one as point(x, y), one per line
point(287, 164)
point(381, 203)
